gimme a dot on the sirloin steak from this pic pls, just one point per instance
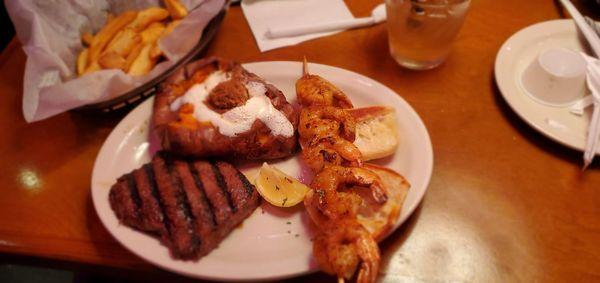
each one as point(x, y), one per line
point(191, 205)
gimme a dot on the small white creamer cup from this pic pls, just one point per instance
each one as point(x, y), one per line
point(555, 78)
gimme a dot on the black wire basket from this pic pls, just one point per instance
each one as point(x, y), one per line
point(139, 94)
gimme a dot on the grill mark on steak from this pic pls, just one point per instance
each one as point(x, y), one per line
point(151, 213)
point(182, 200)
point(133, 191)
point(209, 209)
point(233, 183)
point(214, 194)
point(182, 239)
point(126, 210)
point(247, 186)
point(154, 190)
point(223, 186)
point(205, 226)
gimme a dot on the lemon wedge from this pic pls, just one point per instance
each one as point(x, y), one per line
point(278, 188)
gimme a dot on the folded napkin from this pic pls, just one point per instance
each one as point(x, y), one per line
point(263, 14)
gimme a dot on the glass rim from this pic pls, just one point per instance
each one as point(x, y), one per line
point(426, 4)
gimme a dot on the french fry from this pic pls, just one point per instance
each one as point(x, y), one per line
point(123, 42)
point(82, 61)
point(135, 52)
point(143, 63)
point(152, 33)
point(87, 38)
point(106, 34)
point(92, 67)
point(129, 41)
point(146, 17)
point(112, 60)
point(155, 52)
point(176, 9)
point(170, 27)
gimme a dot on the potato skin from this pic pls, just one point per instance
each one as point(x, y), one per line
point(205, 140)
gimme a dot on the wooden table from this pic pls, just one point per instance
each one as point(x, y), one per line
point(504, 204)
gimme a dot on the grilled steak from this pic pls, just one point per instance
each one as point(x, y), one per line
point(190, 205)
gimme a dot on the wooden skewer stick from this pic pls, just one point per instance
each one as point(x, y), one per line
point(340, 279)
point(305, 67)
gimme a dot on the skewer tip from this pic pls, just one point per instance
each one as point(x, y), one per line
point(586, 164)
point(304, 67)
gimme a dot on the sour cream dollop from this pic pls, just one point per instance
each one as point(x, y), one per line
point(239, 119)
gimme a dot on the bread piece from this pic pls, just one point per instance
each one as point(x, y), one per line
point(380, 219)
point(376, 131)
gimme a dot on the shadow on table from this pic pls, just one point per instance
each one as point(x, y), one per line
point(536, 138)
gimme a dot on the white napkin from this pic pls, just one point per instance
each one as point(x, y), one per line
point(262, 14)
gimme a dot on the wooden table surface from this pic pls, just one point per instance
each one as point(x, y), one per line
point(504, 203)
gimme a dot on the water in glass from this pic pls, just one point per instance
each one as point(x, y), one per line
point(421, 32)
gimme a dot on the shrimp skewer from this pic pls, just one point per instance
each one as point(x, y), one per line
point(327, 132)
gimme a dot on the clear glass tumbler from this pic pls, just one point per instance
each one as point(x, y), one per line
point(421, 32)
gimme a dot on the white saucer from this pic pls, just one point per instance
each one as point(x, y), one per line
point(515, 55)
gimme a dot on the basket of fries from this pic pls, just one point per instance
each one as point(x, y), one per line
point(108, 54)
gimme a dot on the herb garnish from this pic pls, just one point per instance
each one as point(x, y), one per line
point(321, 193)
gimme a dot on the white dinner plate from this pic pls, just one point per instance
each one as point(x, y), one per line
point(273, 243)
point(515, 55)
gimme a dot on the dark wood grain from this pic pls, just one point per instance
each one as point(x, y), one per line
point(504, 204)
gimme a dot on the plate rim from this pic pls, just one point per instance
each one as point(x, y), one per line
point(412, 114)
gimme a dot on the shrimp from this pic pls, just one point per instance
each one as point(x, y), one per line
point(326, 121)
point(342, 243)
point(314, 90)
point(326, 135)
point(331, 150)
point(347, 206)
point(328, 202)
point(339, 249)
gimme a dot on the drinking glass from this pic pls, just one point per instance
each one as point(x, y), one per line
point(421, 32)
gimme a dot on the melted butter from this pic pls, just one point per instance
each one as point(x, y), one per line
point(239, 119)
